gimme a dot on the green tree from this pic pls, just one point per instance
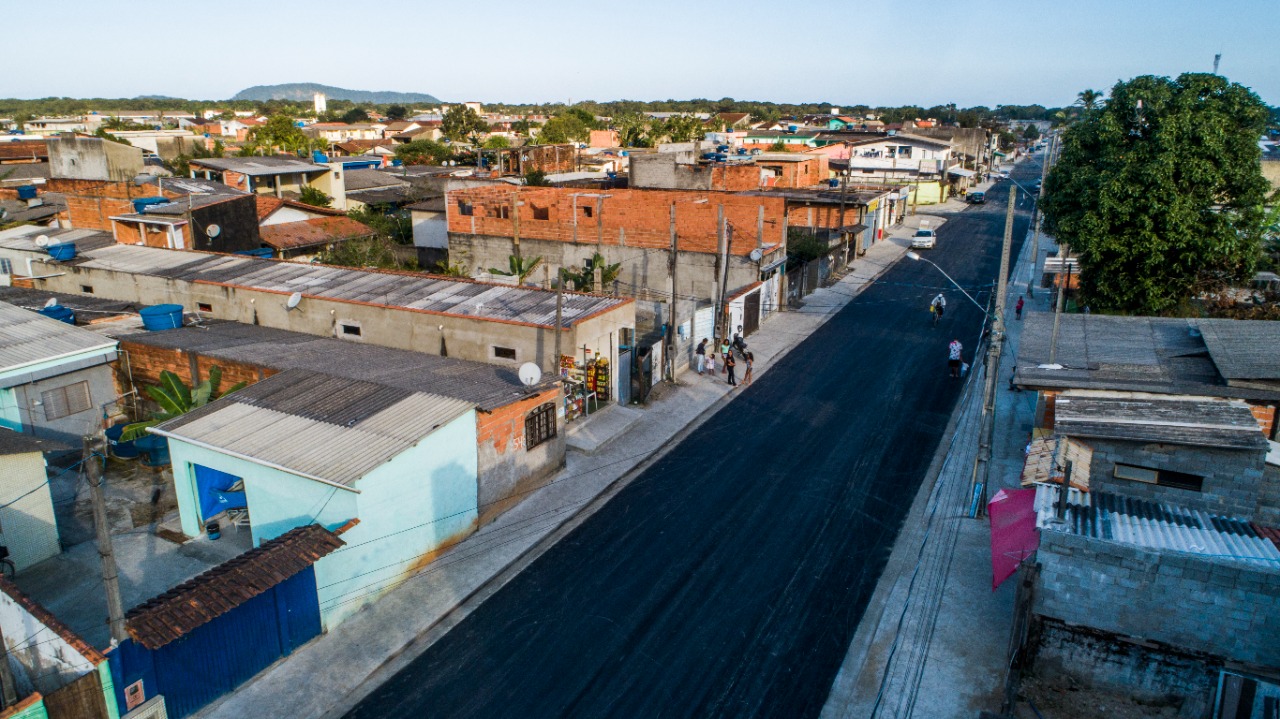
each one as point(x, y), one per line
point(563, 129)
point(395, 113)
point(521, 127)
point(684, 128)
point(280, 133)
point(450, 269)
point(1160, 192)
point(316, 198)
point(585, 279)
point(423, 152)
point(1031, 133)
point(1089, 100)
point(355, 114)
point(176, 399)
point(518, 267)
point(461, 122)
point(536, 178)
point(378, 252)
point(778, 146)
point(497, 142)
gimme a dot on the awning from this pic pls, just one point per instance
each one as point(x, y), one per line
point(960, 172)
point(852, 229)
point(999, 154)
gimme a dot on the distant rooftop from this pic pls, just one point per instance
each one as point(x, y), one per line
point(259, 166)
point(1186, 420)
point(27, 338)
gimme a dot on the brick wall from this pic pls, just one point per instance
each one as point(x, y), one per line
point(1266, 416)
point(236, 180)
point(91, 203)
point(508, 469)
point(634, 218)
point(1222, 608)
point(145, 363)
point(1232, 478)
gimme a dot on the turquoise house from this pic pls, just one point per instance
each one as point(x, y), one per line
point(395, 470)
point(54, 377)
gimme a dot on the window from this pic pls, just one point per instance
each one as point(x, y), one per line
point(66, 401)
point(86, 289)
point(348, 329)
point(588, 210)
point(204, 307)
point(506, 353)
point(541, 213)
point(465, 208)
point(540, 425)
point(904, 151)
point(1161, 477)
point(6, 266)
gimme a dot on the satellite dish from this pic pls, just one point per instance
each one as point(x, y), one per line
point(42, 240)
point(213, 230)
point(293, 301)
point(756, 254)
point(530, 374)
point(51, 302)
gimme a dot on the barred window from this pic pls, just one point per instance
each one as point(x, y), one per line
point(66, 401)
point(540, 425)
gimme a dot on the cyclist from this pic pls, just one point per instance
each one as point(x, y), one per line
point(937, 307)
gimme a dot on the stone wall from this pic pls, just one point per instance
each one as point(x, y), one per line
point(1222, 608)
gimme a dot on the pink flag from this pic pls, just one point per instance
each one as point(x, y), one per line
point(1013, 531)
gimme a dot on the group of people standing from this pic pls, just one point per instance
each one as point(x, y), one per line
point(706, 360)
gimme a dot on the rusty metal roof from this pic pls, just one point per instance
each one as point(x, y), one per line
point(198, 601)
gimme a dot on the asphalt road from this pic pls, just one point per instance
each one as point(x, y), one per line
point(729, 578)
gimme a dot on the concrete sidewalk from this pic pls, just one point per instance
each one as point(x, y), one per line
point(935, 636)
point(358, 655)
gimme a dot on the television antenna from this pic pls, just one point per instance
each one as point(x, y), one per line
point(530, 374)
point(213, 230)
point(42, 240)
point(51, 302)
point(294, 300)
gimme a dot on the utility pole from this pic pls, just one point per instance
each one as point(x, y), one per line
point(93, 447)
point(515, 221)
point(1064, 253)
point(994, 347)
point(719, 264)
point(559, 318)
point(1038, 220)
point(672, 322)
point(8, 689)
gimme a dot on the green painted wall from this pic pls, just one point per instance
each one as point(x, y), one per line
point(10, 413)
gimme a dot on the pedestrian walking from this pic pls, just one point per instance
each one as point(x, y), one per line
point(728, 368)
point(726, 350)
point(955, 353)
point(701, 354)
point(711, 363)
point(1018, 308)
point(746, 376)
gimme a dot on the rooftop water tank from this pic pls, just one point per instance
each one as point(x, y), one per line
point(140, 204)
point(60, 313)
point(26, 192)
point(161, 317)
point(318, 156)
point(62, 251)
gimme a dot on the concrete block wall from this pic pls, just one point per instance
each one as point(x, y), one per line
point(1233, 479)
point(508, 468)
point(1223, 608)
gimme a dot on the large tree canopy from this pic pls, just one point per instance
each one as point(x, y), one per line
point(461, 122)
point(1160, 191)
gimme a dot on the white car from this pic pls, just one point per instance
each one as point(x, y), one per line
point(924, 239)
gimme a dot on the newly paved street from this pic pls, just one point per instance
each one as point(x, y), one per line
point(728, 578)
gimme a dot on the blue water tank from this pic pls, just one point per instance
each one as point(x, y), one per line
point(26, 192)
point(123, 450)
point(156, 449)
point(140, 204)
point(161, 317)
point(318, 156)
point(265, 253)
point(59, 313)
point(63, 251)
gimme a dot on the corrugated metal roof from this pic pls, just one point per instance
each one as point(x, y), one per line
point(27, 337)
point(488, 386)
point(1243, 349)
point(23, 238)
point(1186, 421)
point(208, 596)
point(1115, 518)
point(430, 293)
point(255, 166)
point(332, 428)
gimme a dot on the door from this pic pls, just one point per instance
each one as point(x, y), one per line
point(751, 313)
point(703, 325)
point(623, 370)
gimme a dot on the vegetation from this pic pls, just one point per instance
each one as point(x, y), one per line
point(536, 178)
point(571, 125)
point(461, 122)
point(518, 267)
point(280, 133)
point(176, 399)
point(316, 198)
point(354, 115)
point(395, 113)
point(395, 227)
point(423, 152)
point(805, 245)
point(497, 142)
point(450, 269)
point(585, 278)
point(378, 252)
point(1160, 192)
point(1031, 133)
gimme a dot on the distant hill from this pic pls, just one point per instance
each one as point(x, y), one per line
point(303, 91)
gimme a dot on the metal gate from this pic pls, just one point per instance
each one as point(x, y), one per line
point(703, 325)
point(751, 313)
point(623, 372)
point(81, 699)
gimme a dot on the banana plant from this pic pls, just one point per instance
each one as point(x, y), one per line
point(176, 399)
point(520, 268)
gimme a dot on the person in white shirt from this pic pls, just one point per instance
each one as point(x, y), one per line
point(956, 353)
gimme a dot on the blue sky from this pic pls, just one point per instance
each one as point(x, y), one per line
point(969, 52)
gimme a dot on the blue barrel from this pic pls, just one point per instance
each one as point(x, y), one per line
point(161, 317)
point(26, 192)
point(155, 447)
point(63, 251)
point(59, 313)
point(833, 182)
point(122, 450)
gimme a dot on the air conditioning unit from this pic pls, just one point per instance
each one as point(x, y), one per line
point(152, 708)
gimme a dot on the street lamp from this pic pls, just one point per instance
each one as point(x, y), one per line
point(916, 256)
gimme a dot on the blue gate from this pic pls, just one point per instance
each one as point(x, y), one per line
point(215, 658)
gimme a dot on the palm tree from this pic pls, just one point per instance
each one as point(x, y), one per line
point(586, 279)
point(520, 268)
point(176, 399)
point(1089, 100)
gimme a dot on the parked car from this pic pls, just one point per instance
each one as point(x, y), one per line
point(977, 197)
point(924, 239)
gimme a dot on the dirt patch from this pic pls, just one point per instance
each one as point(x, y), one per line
point(1066, 699)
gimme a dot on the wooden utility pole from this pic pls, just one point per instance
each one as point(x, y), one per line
point(672, 322)
point(1038, 220)
point(515, 222)
point(719, 264)
point(92, 458)
point(994, 347)
point(1064, 253)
